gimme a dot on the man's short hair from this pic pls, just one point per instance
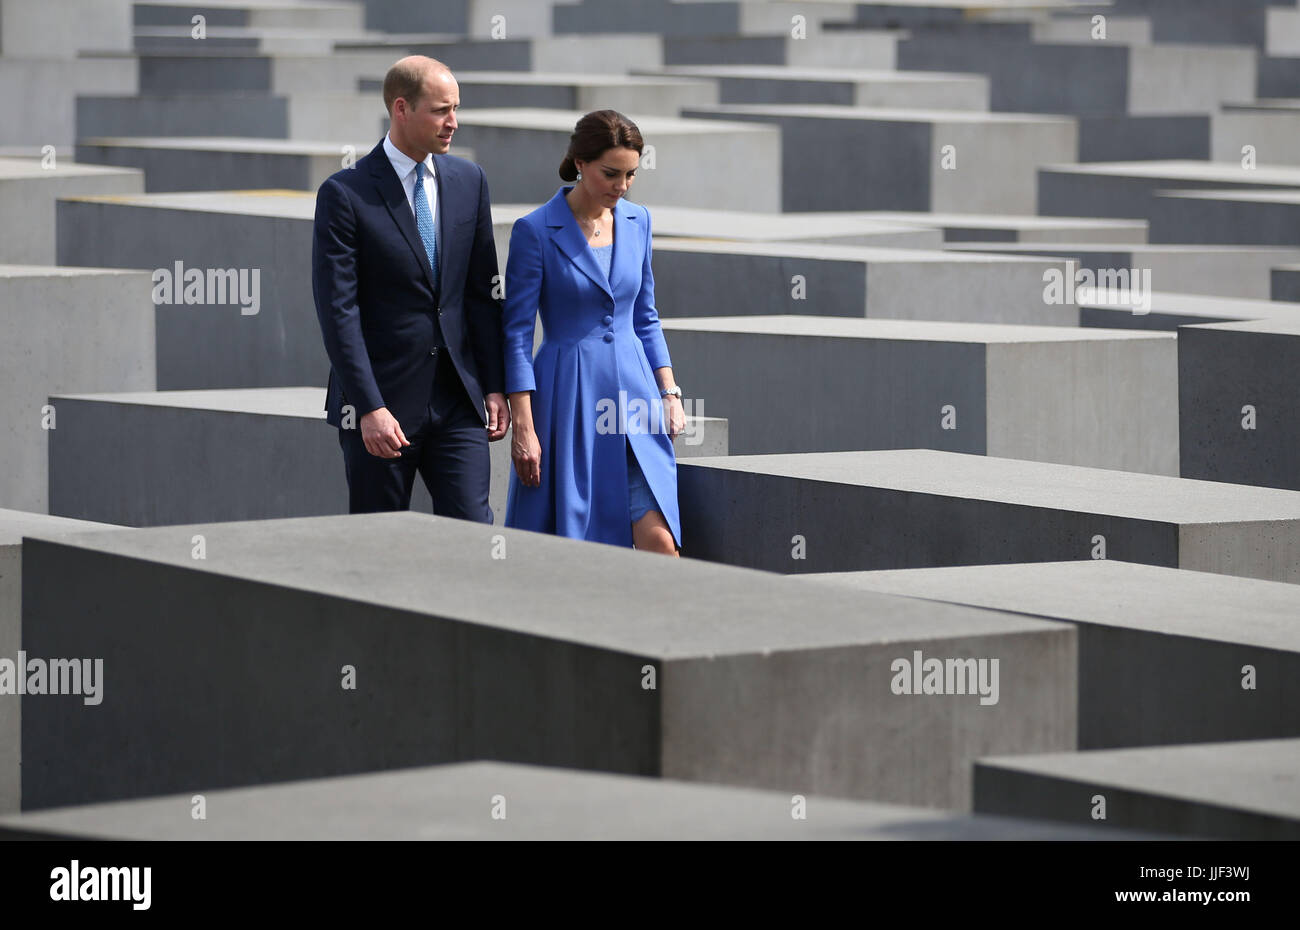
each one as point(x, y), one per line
point(404, 80)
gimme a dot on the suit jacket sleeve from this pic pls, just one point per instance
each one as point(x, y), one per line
point(523, 290)
point(482, 309)
point(334, 285)
point(645, 318)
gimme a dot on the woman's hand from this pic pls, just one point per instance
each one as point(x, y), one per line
point(526, 453)
point(674, 415)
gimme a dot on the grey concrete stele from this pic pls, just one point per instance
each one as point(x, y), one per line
point(301, 116)
point(687, 162)
point(1166, 656)
point(65, 329)
point(703, 278)
point(1225, 791)
point(1239, 402)
point(204, 472)
point(458, 801)
point(214, 164)
point(1231, 217)
point(14, 525)
point(951, 161)
point(248, 653)
point(29, 189)
point(921, 508)
point(1094, 397)
point(1162, 311)
point(1284, 283)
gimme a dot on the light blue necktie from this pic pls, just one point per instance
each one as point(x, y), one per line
point(424, 220)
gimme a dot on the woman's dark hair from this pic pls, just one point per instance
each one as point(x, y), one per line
point(595, 134)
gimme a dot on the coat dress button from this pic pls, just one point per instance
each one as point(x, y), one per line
point(608, 320)
point(609, 337)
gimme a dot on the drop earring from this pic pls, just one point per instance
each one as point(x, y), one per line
point(579, 177)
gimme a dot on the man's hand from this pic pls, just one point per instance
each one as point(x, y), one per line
point(498, 413)
point(382, 434)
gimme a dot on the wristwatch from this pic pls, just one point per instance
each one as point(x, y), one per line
point(673, 391)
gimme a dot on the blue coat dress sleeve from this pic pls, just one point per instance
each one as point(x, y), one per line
point(645, 317)
point(523, 290)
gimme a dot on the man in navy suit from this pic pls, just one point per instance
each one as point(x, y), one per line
point(404, 271)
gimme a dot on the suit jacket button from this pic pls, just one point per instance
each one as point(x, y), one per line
point(609, 337)
point(434, 351)
point(608, 320)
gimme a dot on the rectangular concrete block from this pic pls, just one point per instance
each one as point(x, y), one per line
point(1128, 189)
point(993, 227)
point(844, 87)
point(225, 341)
point(1161, 650)
point(38, 108)
point(1224, 791)
point(633, 95)
point(1168, 312)
point(299, 116)
point(65, 329)
point(14, 525)
point(229, 670)
point(204, 473)
point(1262, 130)
point(445, 803)
point(40, 29)
point(589, 53)
point(693, 160)
point(701, 278)
point(942, 160)
point(1100, 398)
point(29, 188)
point(1231, 217)
point(1239, 402)
point(1210, 270)
point(1284, 282)
point(1090, 79)
point(923, 508)
point(212, 164)
point(870, 49)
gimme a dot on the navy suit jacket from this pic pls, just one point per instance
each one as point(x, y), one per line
point(375, 297)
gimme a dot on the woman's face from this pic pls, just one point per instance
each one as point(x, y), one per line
point(608, 178)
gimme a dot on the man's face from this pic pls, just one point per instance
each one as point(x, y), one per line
point(432, 120)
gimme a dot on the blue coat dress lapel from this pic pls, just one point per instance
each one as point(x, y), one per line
point(569, 239)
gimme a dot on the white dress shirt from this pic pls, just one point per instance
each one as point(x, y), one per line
point(405, 168)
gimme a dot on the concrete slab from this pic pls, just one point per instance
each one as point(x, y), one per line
point(264, 40)
point(14, 524)
point(1284, 282)
point(1129, 189)
point(942, 160)
point(212, 164)
point(204, 70)
point(842, 86)
point(454, 802)
point(28, 192)
point(693, 160)
point(1100, 79)
point(993, 227)
point(1226, 791)
point(1160, 137)
point(39, 29)
point(1209, 270)
point(871, 49)
point(589, 53)
point(634, 95)
point(1234, 217)
point(38, 107)
point(65, 329)
point(283, 14)
point(217, 344)
point(1162, 651)
point(1100, 398)
point(1239, 400)
point(798, 697)
point(204, 473)
point(1265, 130)
point(923, 508)
point(708, 278)
point(301, 116)
point(1167, 312)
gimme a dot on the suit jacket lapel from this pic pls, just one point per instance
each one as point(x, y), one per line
point(627, 245)
point(390, 188)
point(570, 240)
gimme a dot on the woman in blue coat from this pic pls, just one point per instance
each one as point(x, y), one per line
point(594, 414)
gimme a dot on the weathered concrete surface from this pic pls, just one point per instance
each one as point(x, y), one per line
point(233, 668)
point(1237, 791)
point(1161, 650)
point(921, 508)
point(29, 189)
